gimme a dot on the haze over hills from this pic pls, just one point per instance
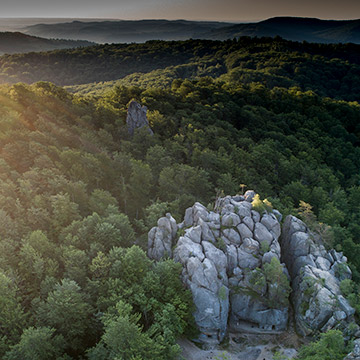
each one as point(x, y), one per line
point(291, 28)
point(294, 28)
point(126, 30)
point(16, 42)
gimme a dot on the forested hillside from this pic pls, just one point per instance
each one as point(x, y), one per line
point(330, 70)
point(78, 194)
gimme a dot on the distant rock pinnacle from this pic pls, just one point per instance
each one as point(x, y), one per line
point(136, 118)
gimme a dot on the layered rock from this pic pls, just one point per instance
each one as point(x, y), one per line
point(316, 275)
point(136, 118)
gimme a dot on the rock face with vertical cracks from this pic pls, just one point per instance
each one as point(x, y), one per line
point(221, 251)
point(232, 263)
point(136, 118)
point(316, 275)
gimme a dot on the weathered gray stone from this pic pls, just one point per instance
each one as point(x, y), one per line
point(250, 246)
point(230, 219)
point(278, 215)
point(217, 257)
point(211, 312)
point(244, 231)
point(244, 209)
point(323, 263)
point(186, 248)
point(267, 257)
point(189, 218)
point(200, 212)
point(340, 315)
point(275, 247)
point(300, 262)
point(233, 236)
point(255, 216)
point(194, 233)
point(136, 118)
point(345, 306)
point(246, 308)
point(249, 195)
point(318, 304)
point(206, 233)
point(214, 217)
point(232, 259)
point(249, 222)
point(161, 238)
point(262, 234)
point(215, 260)
point(248, 261)
point(272, 224)
point(328, 280)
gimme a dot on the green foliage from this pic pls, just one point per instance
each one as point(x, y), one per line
point(77, 192)
point(37, 344)
point(272, 281)
point(12, 317)
point(331, 346)
point(261, 206)
point(222, 293)
point(66, 310)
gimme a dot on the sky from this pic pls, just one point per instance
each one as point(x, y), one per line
point(224, 10)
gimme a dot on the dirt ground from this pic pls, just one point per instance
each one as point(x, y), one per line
point(245, 346)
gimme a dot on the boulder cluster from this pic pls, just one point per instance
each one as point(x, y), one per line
point(239, 265)
point(316, 275)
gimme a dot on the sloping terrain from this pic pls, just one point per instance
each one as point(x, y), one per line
point(16, 42)
point(291, 28)
point(331, 70)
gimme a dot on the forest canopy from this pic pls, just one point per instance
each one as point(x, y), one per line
point(78, 194)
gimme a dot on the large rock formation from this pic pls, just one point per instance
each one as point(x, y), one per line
point(136, 118)
point(224, 254)
point(231, 261)
point(161, 238)
point(316, 275)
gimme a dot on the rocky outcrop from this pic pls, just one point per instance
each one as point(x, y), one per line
point(161, 238)
point(224, 253)
point(232, 263)
point(136, 118)
point(316, 275)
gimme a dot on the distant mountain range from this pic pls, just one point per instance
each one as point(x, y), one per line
point(16, 42)
point(296, 29)
point(124, 31)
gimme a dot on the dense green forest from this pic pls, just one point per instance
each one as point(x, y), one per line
point(330, 70)
point(78, 194)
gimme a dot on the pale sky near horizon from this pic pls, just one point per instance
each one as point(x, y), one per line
point(224, 10)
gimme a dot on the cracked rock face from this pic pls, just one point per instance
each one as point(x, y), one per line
point(220, 251)
point(136, 118)
point(161, 238)
point(229, 256)
point(316, 275)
